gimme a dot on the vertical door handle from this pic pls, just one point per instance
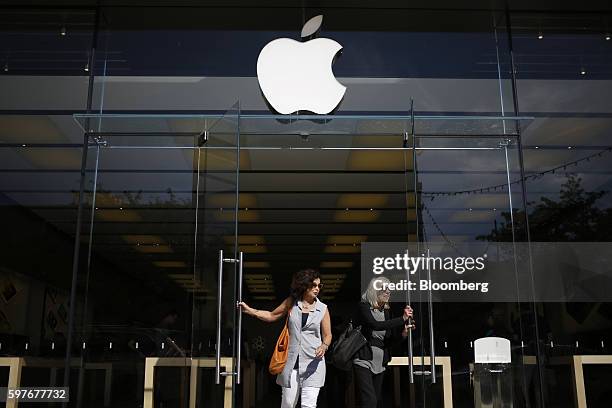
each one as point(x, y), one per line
point(219, 295)
point(410, 354)
point(432, 346)
point(410, 321)
point(239, 345)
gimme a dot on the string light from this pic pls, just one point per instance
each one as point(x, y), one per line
point(536, 176)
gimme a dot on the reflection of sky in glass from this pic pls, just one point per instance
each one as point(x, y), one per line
point(365, 54)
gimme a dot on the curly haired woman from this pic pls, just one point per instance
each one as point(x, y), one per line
point(309, 337)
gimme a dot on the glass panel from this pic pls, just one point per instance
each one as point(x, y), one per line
point(214, 319)
point(466, 209)
point(146, 295)
point(568, 172)
point(38, 206)
point(179, 126)
point(44, 58)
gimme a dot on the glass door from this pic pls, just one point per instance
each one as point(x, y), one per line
point(473, 285)
point(156, 321)
point(216, 279)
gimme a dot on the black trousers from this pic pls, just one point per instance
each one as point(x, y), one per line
point(368, 386)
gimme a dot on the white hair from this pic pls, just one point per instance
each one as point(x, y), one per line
point(371, 294)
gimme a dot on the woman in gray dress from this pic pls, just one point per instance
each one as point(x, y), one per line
point(309, 337)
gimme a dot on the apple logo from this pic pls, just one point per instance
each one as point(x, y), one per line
point(296, 76)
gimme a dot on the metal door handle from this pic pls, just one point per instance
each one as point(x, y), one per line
point(219, 295)
point(239, 345)
point(432, 346)
point(410, 357)
point(410, 321)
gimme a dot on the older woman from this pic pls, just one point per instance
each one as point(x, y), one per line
point(377, 326)
point(309, 337)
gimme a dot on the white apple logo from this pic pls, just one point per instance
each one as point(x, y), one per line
point(297, 75)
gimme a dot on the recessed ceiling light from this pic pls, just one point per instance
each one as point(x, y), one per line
point(63, 31)
point(540, 35)
point(582, 71)
point(607, 37)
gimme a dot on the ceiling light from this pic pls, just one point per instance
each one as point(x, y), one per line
point(607, 37)
point(6, 67)
point(537, 147)
point(582, 71)
point(170, 264)
point(336, 264)
point(63, 31)
point(86, 69)
point(540, 35)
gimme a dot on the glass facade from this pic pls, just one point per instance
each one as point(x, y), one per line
point(146, 188)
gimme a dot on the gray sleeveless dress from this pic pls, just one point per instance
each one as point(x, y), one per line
point(303, 342)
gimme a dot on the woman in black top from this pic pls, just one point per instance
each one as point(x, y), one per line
point(377, 326)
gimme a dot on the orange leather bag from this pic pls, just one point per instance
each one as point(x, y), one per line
point(281, 350)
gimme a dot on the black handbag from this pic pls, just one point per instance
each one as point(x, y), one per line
point(348, 344)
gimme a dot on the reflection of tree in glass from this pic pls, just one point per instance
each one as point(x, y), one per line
point(106, 198)
point(573, 218)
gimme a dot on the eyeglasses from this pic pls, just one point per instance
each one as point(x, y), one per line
point(320, 285)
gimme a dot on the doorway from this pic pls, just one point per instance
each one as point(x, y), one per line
point(198, 212)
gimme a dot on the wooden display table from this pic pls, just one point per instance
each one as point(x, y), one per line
point(447, 381)
point(248, 378)
point(578, 375)
point(16, 364)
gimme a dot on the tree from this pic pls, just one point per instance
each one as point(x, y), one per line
point(573, 218)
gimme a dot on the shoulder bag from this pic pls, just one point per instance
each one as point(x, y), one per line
point(348, 344)
point(281, 350)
